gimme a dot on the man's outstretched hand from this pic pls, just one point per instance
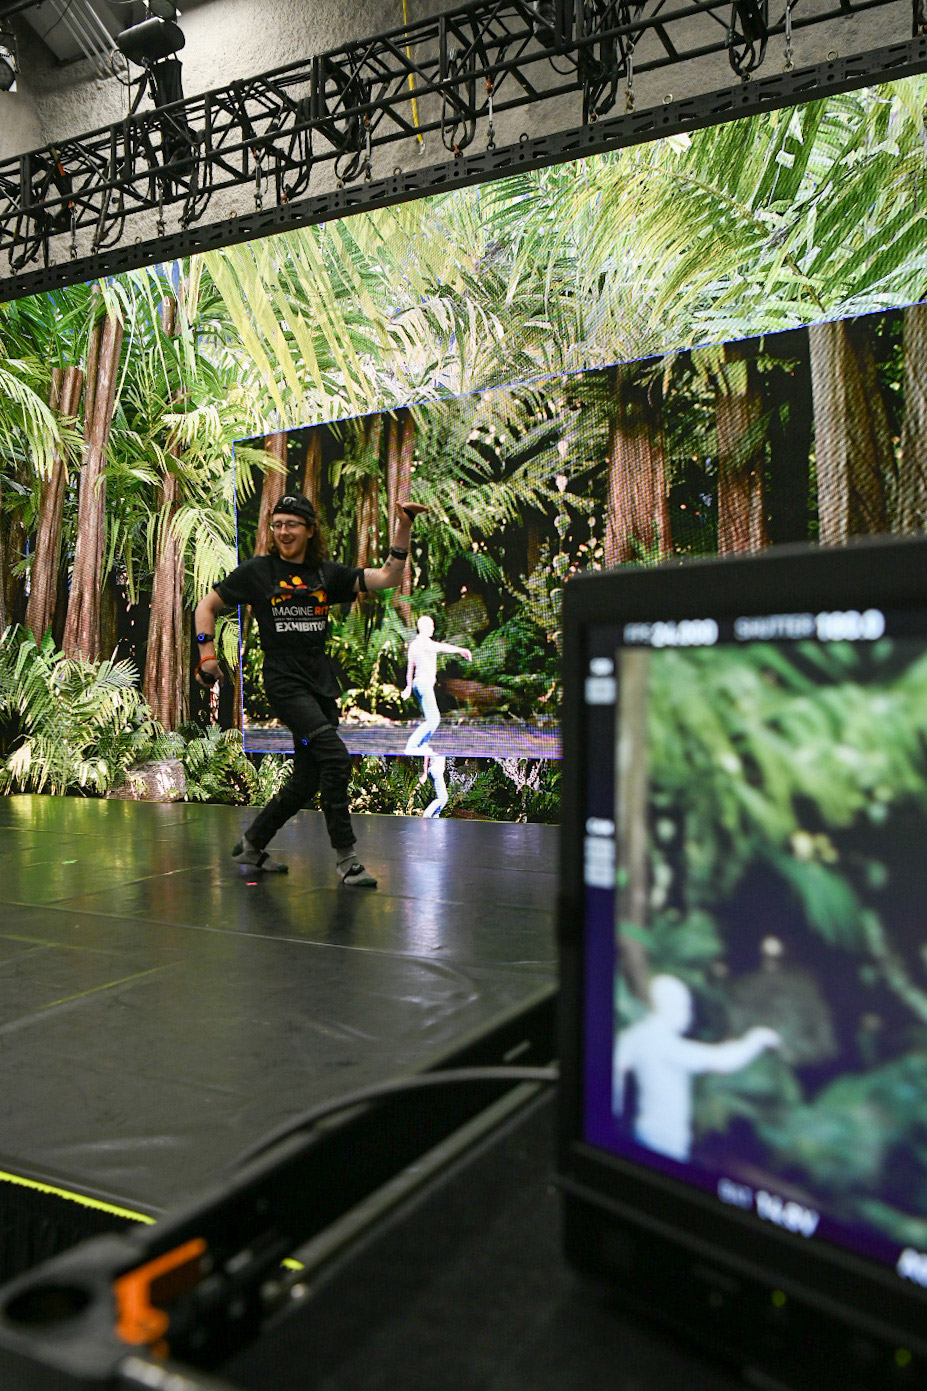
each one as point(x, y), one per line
point(411, 509)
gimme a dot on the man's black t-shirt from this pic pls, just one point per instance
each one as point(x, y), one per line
point(291, 604)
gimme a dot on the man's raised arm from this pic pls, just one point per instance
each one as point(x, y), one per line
point(391, 571)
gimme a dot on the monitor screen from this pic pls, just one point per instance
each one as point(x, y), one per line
point(748, 809)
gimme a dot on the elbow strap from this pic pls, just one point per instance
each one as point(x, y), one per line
point(361, 582)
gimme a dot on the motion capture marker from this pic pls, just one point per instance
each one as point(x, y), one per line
point(354, 875)
point(251, 858)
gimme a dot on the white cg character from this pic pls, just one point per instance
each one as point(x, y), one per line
point(663, 1064)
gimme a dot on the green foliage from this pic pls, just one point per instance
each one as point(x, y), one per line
point(217, 767)
point(765, 1093)
point(831, 906)
point(483, 789)
point(74, 726)
point(518, 657)
point(388, 786)
point(28, 428)
point(256, 703)
point(67, 725)
point(765, 760)
point(272, 772)
point(369, 649)
point(847, 1136)
point(794, 765)
point(686, 948)
point(767, 766)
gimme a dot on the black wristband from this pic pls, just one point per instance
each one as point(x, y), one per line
point(209, 678)
point(397, 554)
point(205, 637)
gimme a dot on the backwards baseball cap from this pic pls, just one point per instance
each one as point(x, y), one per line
point(297, 505)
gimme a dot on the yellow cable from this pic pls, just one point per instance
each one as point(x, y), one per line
point(405, 20)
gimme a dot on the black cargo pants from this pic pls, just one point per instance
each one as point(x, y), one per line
point(321, 764)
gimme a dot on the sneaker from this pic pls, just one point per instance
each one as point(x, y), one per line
point(248, 855)
point(356, 877)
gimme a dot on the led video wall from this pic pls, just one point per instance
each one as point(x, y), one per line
point(700, 345)
point(802, 435)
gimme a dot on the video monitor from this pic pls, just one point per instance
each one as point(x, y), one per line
point(744, 959)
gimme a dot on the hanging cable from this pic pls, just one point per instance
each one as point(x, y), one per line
point(405, 19)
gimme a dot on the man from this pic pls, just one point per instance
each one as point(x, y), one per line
point(421, 675)
point(291, 591)
point(663, 1063)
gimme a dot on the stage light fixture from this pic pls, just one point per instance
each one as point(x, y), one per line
point(153, 45)
point(153, 40)
point(544, 20)
point(9, 65)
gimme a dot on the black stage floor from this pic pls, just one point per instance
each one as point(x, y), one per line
point(159, 1012)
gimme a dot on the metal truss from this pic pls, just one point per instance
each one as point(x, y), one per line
point(268, 133)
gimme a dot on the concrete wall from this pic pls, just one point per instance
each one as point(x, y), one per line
point(237, 38)
point(227, 39)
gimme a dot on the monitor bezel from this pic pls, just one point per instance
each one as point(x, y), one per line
point(887, 572)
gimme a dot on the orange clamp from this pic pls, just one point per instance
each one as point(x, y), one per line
point(141, 1294)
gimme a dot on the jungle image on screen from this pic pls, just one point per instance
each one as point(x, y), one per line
point(568, 377)
point(771, 978)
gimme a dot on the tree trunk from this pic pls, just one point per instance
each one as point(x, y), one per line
point(312, 468)
point(238, 700)
point(368, 523)
point(43, 589)
point(852, 439)
point(110, 605)
point(911, 501)
point(368, 504)
point(272, 490)
point(787, 399)
point(400, 452)
point(13, 549)
point(5, 563)
point(533, 545)
point(393, 447)
point(82, 627)
point(12, 587)
point(61, 604)
point(633, 819)
point(166, 682)
point(741, 456)
point(637, 508)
